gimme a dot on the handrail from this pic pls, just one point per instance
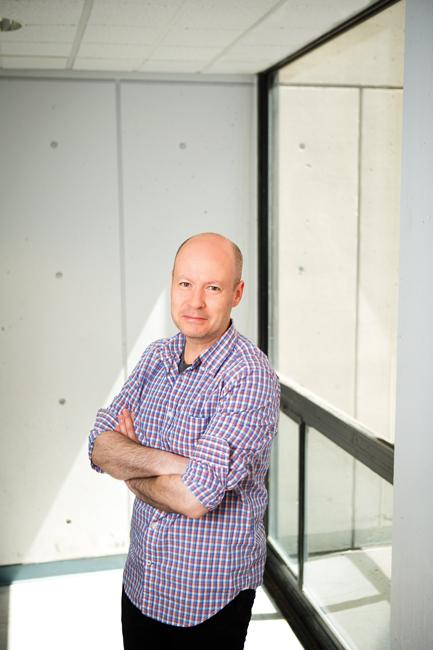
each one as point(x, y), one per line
point(375, 453)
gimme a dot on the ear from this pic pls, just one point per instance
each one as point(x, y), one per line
point(237, 295)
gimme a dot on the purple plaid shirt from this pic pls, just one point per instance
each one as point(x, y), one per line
point(222, 413)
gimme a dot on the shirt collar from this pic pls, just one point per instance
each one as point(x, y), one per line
point(212, 358)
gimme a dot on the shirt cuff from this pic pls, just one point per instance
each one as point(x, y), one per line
point(92, 440)
point(105, 421)
point(206, 473)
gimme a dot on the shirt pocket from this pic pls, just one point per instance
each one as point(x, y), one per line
point(185, 430)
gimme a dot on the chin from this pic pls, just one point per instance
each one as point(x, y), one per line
point(190, 329)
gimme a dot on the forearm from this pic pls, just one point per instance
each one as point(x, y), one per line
point(125, 459)
point(167, 493)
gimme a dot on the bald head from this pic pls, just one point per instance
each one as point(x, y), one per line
point(212, 239)
point(206, 285)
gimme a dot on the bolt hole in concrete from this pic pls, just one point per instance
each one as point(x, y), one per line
point(54, 144)
point(62, 401)
point(59, 274)
point(182, 145)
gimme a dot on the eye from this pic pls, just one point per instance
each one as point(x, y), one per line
point(214, 288)
point(184, 283)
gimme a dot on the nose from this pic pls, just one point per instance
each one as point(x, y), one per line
point(197, 298)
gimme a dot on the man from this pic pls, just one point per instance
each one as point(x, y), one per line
point(190, 434)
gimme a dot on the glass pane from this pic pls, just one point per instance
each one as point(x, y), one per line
point(283, 491)
point(348, 568)
point(335, 194)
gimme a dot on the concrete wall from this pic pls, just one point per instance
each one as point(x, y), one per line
point(100, 182)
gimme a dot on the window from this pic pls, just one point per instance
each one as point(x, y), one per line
point(335, 219)
point(335, 141)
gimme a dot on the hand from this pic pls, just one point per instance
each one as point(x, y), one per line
point(126, 425)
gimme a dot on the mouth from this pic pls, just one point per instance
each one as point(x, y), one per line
point(196, 319)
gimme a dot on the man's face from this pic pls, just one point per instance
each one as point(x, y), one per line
point(203, 290)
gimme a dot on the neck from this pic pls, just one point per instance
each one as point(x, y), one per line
point(194, 348)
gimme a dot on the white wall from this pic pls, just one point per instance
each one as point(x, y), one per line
point(100, 182)
point(412, 570)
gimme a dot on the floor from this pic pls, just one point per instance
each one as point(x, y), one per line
point(33, 613)
point(353, 590)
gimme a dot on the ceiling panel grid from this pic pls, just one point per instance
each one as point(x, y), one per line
point(190, 36)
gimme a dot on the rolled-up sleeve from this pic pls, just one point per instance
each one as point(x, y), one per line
point(129, 398)
point(238, 437)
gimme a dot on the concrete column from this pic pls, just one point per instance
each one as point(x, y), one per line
point(412, 577)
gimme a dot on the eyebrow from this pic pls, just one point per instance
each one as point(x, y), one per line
point(185, 277)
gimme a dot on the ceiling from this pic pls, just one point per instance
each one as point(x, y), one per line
point(165, 36)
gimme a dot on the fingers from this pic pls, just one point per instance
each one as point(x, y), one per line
point(129, 424)
point(126, 425)
point(121, 428)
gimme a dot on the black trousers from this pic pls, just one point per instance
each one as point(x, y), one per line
point(226, 630)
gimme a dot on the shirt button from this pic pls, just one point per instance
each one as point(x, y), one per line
point(149, 562)
point(170, 414)
point(153, 525)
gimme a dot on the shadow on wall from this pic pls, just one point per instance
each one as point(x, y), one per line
point(70, 242)
point(54, 506)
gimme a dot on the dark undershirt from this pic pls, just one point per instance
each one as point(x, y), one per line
point(182, 365)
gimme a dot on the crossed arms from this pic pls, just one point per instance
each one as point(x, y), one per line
point(234, 445)
point(153, 475)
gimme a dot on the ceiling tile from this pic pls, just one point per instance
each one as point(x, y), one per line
point(143, 13)
point(234, 67)
point(35, 49)
point(175, 35)
point(314, 14)
point(185, 53)
point(269, 53)
point(155, 65)
point(292, 25)
point(113, 34)
point(40, 34)
point(43, 12)
point(221, 14)
point(302, 21)
point(116, 65)
point(265, 35)
point(33, 62)
point(200, 37)
point(113, 51)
